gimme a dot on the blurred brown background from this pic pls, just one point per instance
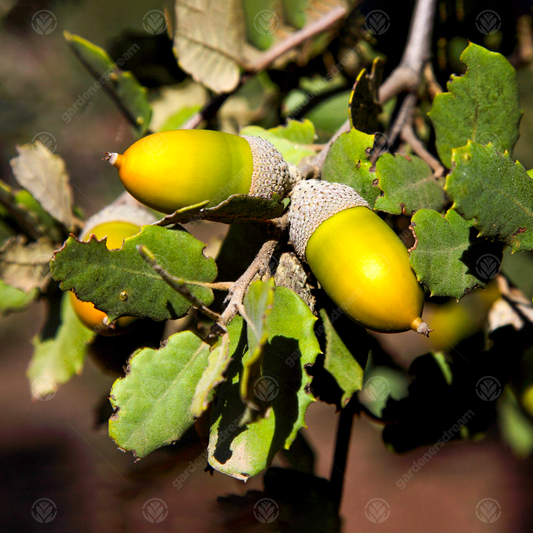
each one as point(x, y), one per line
point(52, 449)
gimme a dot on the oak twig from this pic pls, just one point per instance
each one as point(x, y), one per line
point(342, 447)
point(299, 37)
point(407, 75)
point(238, 289)
point(405, 116)
point(408, 135)
point(179, 285)
point(266, 59)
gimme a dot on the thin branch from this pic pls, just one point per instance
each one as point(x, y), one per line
point(408, 135)
point(342, 447)
point(433, 86)
point(179, 285)
point(266, 59)
point(405, 116)
point(238, 289)
point(23, 220)
point(407, 75)
point(299, 37)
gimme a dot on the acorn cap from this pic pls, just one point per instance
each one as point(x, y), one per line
point(118, 213)
point(313, 202)
point(271, 173)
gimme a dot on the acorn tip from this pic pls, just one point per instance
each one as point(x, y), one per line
point(421, 327)
point(110, 157)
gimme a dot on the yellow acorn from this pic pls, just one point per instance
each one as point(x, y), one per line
point(174, 169)
point(116, 223)
point(357, 258)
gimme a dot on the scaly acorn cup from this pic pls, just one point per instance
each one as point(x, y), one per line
point(116, 223)
point(358, 259)
point(174, 169)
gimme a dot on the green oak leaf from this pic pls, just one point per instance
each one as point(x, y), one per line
point(258, 304)
point(290, 140)
point(495, 191)
point(348, 162)
point(408, 185)
point(153, 401)
point(238, 208)
point(57, 359)
point(245, 450)
point(448, 258)
point(132, 95)
point(120, 283)
point(364, 106)
point(219, 359)
point(13, 299)
point(482, 105)
point(340, 363)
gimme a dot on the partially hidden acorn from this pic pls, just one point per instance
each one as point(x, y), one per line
point(116, 223)
point(357, 258)
point(171, 170)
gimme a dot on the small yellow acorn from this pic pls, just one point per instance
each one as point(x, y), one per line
point(174, 169)
point(357, 258)
point(116, 223)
